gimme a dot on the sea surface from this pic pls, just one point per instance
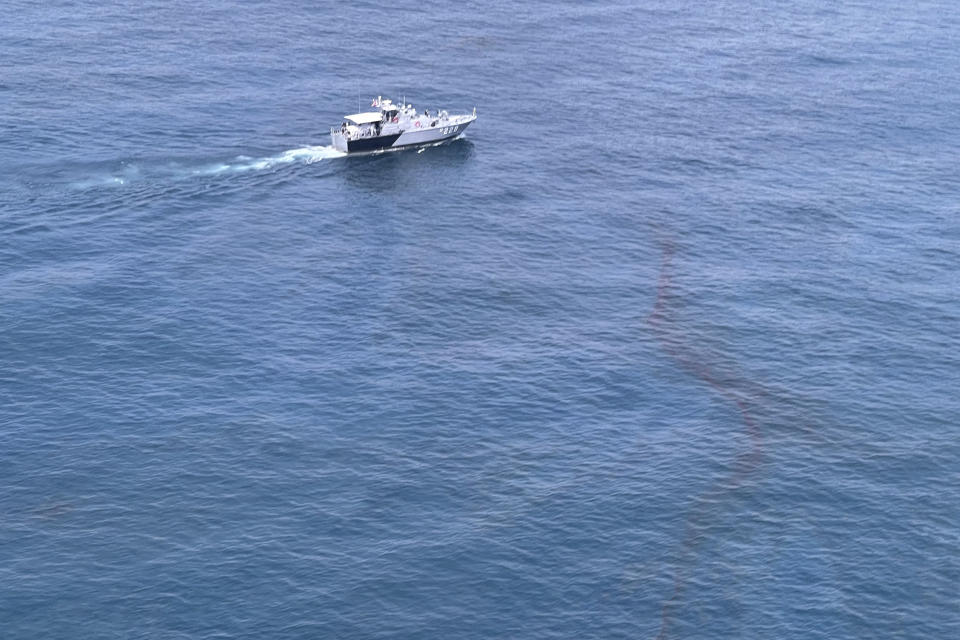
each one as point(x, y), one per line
point(666, 346)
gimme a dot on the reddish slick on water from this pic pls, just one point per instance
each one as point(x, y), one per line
point(747, 462)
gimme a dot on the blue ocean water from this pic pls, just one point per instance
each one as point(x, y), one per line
point(665, 347)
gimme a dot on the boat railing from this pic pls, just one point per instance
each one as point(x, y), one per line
point(353, 134)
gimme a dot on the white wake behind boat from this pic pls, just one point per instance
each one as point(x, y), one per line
point(396, 125)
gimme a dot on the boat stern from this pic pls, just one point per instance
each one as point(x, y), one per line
point(339, 139)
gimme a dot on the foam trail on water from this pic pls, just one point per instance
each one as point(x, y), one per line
point(175, 171)
point(129, 173)
point(303, 155)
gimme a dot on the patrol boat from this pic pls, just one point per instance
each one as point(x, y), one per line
point(396, 125)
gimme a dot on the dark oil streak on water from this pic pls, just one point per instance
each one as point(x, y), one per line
point(744, 467)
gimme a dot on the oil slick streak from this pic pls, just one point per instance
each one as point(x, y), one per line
point(746, 464)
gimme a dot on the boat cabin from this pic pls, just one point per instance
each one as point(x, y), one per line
point(362, 125)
